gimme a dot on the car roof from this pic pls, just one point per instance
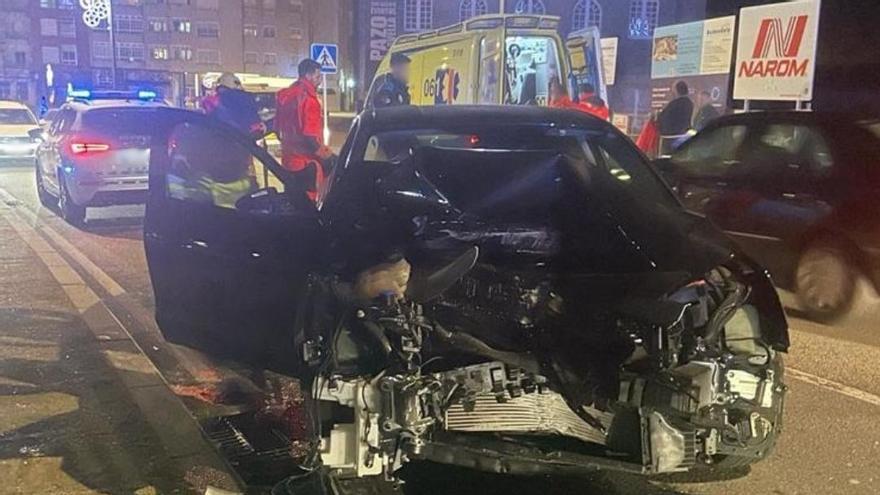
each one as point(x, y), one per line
point(450, 116)
point(792, 116)
point(10, 104)
point(86, 105)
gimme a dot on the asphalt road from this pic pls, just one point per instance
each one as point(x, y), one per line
point(831, 442)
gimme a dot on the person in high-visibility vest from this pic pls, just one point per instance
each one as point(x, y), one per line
point(299, 122)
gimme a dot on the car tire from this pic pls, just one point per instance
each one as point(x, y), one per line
point(825, 281)
point(45, 198)
point(73, 213)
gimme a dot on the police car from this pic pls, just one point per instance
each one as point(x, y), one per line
point(96, 152)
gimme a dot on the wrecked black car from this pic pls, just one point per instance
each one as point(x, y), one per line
point(559, 311)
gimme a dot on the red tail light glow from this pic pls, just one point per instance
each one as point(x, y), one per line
point(79, 148)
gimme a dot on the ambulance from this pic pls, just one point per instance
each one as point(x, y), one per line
point(497, 59)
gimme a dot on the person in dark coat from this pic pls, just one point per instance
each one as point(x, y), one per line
point(675, 119)
point(236, 107)
point(706, 111)
point(392, 88)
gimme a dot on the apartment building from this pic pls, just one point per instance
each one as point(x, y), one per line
point(161, 44)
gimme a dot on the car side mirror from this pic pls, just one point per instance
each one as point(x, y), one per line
point(37, 134)
point(266, 202)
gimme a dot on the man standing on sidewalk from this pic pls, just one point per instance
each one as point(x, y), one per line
point(299, 121)
point(394, 86)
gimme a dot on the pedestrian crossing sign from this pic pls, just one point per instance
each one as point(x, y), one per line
point(327, 55)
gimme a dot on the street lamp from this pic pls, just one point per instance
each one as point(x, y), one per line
point(94, 12)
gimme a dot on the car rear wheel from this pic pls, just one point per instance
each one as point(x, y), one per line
point(73, 213)
point(825, 281)
point(46, 199)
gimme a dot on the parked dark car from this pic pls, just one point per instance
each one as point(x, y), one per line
point(798, 191)
point(564, 313)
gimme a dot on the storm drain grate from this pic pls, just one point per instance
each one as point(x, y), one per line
point(261, 456)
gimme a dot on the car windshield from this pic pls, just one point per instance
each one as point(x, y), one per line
point(602, 159)
point(16, 116)
point(590, 188)
point(120, 120)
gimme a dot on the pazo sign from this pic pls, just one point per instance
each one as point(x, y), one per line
point(776, 51)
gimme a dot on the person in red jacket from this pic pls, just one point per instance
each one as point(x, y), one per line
point(299, 121)
point(589, 102)
point(559, 97)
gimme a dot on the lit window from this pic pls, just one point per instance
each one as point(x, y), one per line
point(160, 53)
point(587, 13)
point(471, 8)
point(418, 15)
point(643, 17)
point(180, 52)
point(530, 7)
point(158, 25)
point(251, 30)
point(182, 25)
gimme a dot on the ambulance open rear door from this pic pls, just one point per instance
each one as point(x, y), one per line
point(585, 50)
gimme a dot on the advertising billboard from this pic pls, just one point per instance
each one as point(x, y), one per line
point(693, 49)
point(609, 59)
point(698, 53)
point(776, 51)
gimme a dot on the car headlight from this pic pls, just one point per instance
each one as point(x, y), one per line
point(669, 446)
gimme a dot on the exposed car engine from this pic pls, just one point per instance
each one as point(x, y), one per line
point(694, 385)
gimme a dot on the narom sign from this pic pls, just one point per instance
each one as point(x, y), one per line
point(776, 51)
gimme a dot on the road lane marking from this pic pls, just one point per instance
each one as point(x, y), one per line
point(100, 276)
point(833, 386)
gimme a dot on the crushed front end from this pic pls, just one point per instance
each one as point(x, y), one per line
point(688, 381)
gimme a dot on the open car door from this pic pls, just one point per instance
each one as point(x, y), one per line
point(229, 242)
point(585, 49)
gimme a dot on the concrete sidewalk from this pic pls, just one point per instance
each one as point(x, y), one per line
point(82, 410)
